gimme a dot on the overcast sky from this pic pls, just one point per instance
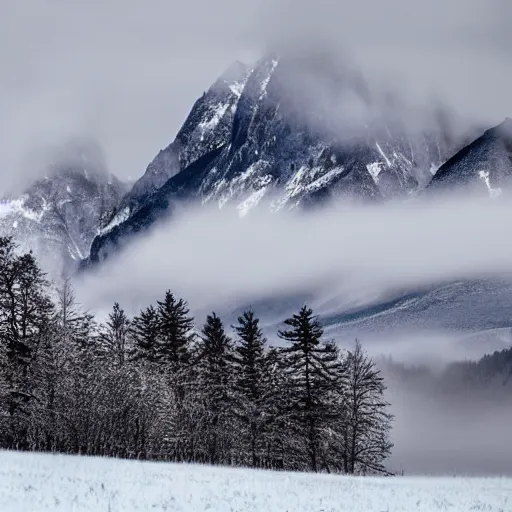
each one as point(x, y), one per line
point(126, 72)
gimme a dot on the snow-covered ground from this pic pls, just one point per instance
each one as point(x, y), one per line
point(37, 482)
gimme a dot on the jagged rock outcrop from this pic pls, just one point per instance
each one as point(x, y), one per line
point(290, 132)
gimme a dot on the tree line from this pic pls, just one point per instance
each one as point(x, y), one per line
point(155, 387)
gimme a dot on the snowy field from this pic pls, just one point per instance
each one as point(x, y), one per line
point(32, 483)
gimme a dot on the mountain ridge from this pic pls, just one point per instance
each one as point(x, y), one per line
point(268, 147)
point(485, 163)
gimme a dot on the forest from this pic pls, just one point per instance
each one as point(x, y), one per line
point(158, 387)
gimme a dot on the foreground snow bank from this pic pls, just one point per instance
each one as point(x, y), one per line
point(37, 482)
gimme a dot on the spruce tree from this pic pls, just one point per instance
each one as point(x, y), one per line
point(114, 336)
point(251, 383)
point(313, 370)
point(173, 356)
point(279, 440)
point(174, 325)
point(145, 330)
point(214, 368)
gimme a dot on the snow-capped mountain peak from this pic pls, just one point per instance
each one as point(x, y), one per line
point(285, 131)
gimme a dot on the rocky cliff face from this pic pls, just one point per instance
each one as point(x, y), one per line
point(290, 132)
point(207, 127)
point(484, 165)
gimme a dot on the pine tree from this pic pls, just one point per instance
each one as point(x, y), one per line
point(278, 428)
point(367, 423)
point(174, 325)
point(312, 367)
point(145, 330)
point(114, 335)
point(173, 356)
point(215, 378)
point(251, 383)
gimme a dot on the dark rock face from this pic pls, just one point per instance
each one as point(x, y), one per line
point(485, 164)
point(207, 127)
point(292, 132)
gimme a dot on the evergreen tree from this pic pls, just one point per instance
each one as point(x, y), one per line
point(67, 386)
point(144, 330)
point(174, 325)
point(313, 370)
point(114, 335)
point(278, 432)
point(215, 379)
point(173, 356)
point(366, 421)
point(251, 383)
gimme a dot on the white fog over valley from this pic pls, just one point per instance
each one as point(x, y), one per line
point(256, 156)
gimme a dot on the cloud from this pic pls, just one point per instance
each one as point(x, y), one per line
point(450, 49)
point(126, 73)
point(353, 253)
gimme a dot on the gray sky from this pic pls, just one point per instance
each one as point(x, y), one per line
point(126, 72)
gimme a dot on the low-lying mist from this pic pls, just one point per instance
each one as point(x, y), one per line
point(339, 258)
point(359, 253)
point(449, 422)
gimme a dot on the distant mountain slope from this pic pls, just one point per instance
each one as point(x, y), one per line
point(58, 216)
point(267, 134)
point(485, 164)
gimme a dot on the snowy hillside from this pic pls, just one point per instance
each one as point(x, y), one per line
point(37, 483)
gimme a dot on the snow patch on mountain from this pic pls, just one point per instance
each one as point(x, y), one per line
point(374, 169)
point(18, 207)
point(119, 218)
point(237, 87)
point(246, 185)
point(388, 161)
point(216, 115)
point(251, 202)
point(306, 180)
point(266, 80)
point(493, 192)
